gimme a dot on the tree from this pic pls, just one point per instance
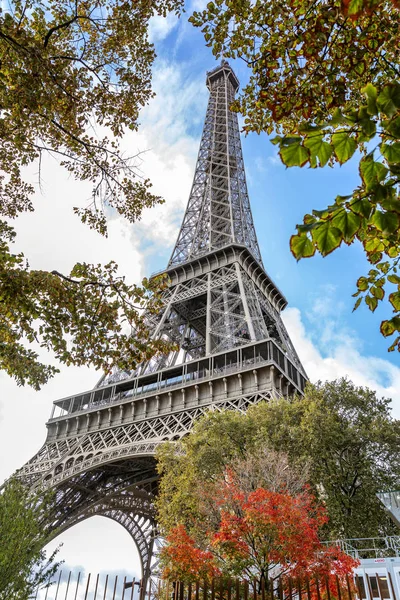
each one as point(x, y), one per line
point(324, 75)
point(24, 531)
point(73, 74)
point(261, 534)
point(351, 442)
point(339, 438)
point(191, 472)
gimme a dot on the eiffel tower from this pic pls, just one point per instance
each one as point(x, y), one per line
point(223, 312)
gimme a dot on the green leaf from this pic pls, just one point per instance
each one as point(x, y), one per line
point(351, 116)
point(308, 219)
point(394, 300)
point(389, 99)
point(327, 237)
point(305, 227)
point(318, 148)
point(344, 146)
point(394, 279)
point(342, 199)
point(391, 152)
point(391, 204)
point(396, 344)
point(357, 304)
point(337, 117)
point(301, 246)
point(355, 7)
point(378, 292)
point(276, 140)
point(383, 192)
point(371, 94)
point(393, 127)
point(384, 267)
point(372, 172)
point(393, 252)
point(389, 327)
point(387, 222)
point(307, 127)
point(294, 154)
point(374, 245)
point(371, 302)
point(394, 169)
point(348, 223)
point(362, 284)
point(362, 207)
point(368, 127)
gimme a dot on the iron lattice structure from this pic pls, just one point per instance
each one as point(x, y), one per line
point(221, 309)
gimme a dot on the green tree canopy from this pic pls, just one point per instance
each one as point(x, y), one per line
point(352, 444)
point(343, 436)
point(73, 78)
point(324, 75)
point(24, 531)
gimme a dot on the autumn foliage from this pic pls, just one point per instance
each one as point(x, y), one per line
point(183, 560)
point(259, 534)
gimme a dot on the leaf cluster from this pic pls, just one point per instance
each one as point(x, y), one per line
point(90, 317)
point(24, 531)
point(261, 534)
point(305, 57)
point(68, 72)
point(66, 69)
point(369, 215)
point(351, 442)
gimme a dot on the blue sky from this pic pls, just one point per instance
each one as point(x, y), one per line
point(330, 339)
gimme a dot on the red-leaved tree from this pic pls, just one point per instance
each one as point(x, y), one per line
point(260, 534)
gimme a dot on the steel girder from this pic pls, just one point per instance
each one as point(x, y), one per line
point(218, 212)
point(90, 452)
point(112, 473)
point(217, 311)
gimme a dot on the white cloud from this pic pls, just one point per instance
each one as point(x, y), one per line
point(79, 551)
point(274, 159)
point(170, 160)
point(260, 164)
point(160, 27)
point(343, 358)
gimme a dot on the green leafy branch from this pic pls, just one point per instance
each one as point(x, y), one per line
point(371, 214)
point(89, 317)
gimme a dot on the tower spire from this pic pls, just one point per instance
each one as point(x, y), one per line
point(218, 212)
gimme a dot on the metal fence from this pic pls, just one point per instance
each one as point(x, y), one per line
point(80, 586)
point(69, 586)
point(278, 588)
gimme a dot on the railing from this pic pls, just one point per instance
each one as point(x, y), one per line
point(266, 352)
point(378, 547)
point(68, 586)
